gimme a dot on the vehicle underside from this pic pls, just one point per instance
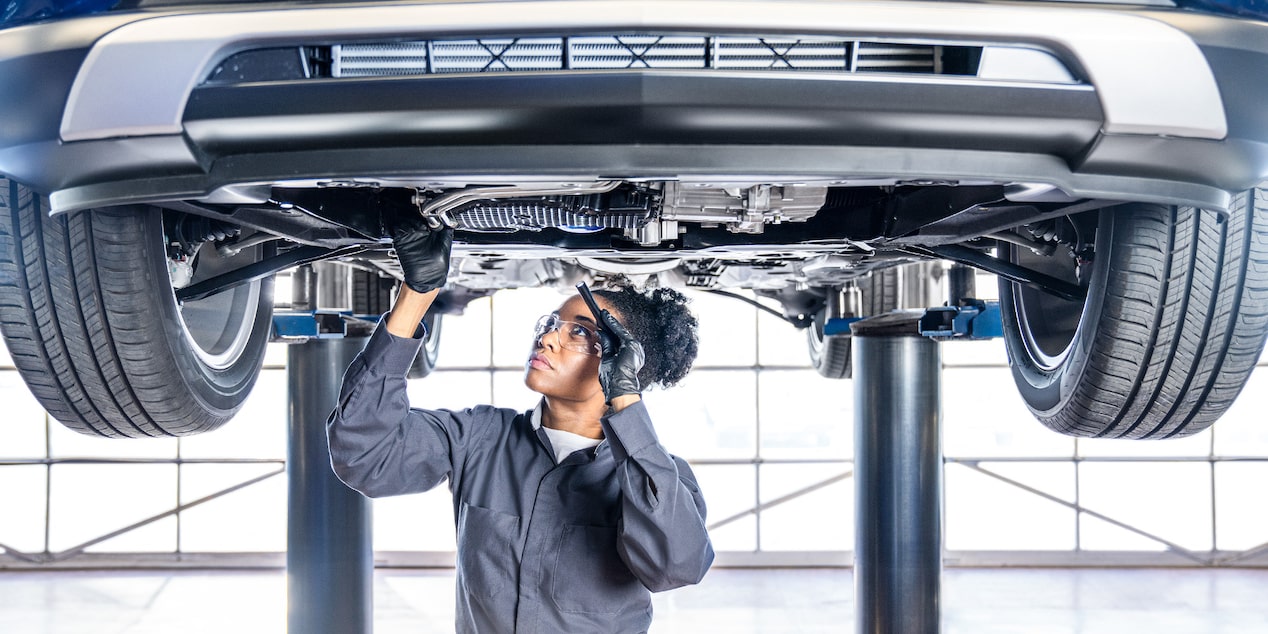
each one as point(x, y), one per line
point(776, 238)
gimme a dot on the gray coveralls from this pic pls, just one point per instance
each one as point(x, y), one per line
point(542, 547)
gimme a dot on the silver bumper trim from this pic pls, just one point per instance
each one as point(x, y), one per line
point(136, 79)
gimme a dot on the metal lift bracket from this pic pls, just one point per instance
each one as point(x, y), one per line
point(973, 319)
point(300, 326)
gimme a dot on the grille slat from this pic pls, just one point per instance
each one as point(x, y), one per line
point(880, 57)
point(753, 53)
point(636, 51)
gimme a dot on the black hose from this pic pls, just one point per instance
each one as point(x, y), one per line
point(799, 322)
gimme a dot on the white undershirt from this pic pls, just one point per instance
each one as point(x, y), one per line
point(563, 442)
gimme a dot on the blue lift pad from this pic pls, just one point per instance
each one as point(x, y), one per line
point(299, 326)
point(976, 319)
point(838, 326)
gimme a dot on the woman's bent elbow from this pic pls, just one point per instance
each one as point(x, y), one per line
point(683, 573)
point(356, 479)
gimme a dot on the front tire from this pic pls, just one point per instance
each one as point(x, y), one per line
point(90, 318)
point(1175, 319)
point(829, 354)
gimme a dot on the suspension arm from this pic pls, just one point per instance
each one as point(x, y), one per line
point(1006, 270)
point(261, 269)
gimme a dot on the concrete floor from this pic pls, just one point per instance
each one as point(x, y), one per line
point(976, 601)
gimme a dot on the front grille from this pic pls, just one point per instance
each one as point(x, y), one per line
point(648, 51)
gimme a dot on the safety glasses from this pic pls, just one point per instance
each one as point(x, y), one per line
point(572, 335)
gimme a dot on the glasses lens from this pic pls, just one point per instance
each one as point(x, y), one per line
point(545, 324)
point(572, 335)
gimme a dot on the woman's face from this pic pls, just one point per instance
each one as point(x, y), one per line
point(560, 371)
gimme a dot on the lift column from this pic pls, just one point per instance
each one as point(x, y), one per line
point(329, 553)
point(898, 455)
point(897, 475)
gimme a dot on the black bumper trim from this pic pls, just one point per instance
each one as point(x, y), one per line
point(640, 108)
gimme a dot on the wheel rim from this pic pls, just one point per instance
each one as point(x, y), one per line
point(815, 337)
point(1048, 323)
point(218, 328)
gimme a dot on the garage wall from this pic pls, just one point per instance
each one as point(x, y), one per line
point(768, 438)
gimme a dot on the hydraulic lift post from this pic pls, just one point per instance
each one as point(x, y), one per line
point(898, 456)
point(898, 478)
point(329, 553)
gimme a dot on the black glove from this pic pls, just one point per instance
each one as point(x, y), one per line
point(621, 361)
point(422, 251)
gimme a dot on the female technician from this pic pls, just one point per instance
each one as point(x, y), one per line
point(567, 515)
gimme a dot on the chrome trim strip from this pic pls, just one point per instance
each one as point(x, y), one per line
point(136, 79)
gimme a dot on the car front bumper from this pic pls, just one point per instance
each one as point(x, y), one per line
point(1167, 106)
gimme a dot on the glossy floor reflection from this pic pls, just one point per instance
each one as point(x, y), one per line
point(975, 601)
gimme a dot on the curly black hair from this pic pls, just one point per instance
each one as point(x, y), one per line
point(660, 320)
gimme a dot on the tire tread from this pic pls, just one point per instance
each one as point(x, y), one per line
point(1183, 323)
point(83, 323)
